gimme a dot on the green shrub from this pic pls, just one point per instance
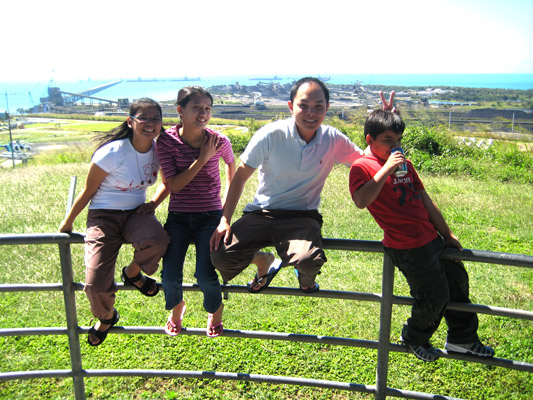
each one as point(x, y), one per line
point(429, 140)
point(239, 140)
point(509, 154)
point(353, 131)
point(435, 150)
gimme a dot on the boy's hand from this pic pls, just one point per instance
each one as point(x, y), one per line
point(388, 105)
point(393, 162)
point(452, 241)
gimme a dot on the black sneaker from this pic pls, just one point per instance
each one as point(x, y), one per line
point(475, 349)
point(425, 352)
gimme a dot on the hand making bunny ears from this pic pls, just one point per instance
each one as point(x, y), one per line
point(388, 105)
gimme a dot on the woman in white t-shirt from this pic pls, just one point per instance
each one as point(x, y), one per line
point(121, 169)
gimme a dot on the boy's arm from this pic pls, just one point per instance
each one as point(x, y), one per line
point(437, 219)
point(367, 193)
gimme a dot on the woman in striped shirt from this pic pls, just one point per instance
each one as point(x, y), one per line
point(189, 154)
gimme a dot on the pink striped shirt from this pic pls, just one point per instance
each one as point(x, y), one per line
point(203, 192)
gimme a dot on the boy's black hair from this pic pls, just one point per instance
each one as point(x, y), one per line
point(379, 121)
point(308, 79)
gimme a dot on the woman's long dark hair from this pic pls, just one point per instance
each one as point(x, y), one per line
point(123, 131)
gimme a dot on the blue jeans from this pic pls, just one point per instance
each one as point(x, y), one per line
point(184, 228)
point(433, 283)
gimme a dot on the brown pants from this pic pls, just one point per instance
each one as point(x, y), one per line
point(295, 234)
point(107, 230)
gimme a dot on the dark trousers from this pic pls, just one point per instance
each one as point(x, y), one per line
point(433, 283)
point(296, 235)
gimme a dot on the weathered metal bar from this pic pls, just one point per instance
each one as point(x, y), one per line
point(32, 331)
point(383, 345)
point(49, 373)
point(490, 257)
point(71, 194)
point(284, 380)
point(40, 238)
point(72, 320)
point(234, 376)
point(385, 318)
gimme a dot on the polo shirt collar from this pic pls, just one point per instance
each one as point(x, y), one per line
point(296, 136)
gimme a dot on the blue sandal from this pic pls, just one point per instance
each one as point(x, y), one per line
point(272, 272)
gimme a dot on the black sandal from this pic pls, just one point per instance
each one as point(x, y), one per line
point(101, 335)
point(149, 283)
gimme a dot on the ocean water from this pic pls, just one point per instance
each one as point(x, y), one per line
point(15, 95)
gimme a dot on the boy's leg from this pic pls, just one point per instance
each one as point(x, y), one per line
point(427, 282)
point(298, 241)
point(462, 326)
point(249, 234)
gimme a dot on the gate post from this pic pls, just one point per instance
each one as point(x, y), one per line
point(384, 328)
point(72, 320)
point(70, 305)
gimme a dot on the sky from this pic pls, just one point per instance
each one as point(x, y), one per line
point(71, 40)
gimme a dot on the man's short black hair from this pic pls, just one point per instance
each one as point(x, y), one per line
point(309, 79)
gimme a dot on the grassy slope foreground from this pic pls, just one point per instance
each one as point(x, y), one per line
point(484, 214)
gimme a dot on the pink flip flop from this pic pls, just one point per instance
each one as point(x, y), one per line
point(171, 328)
point(216, 329)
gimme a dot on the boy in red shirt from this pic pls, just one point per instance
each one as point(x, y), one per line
point(415, 235)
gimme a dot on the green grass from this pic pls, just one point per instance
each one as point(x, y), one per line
point(485, 215)
point(62, 131)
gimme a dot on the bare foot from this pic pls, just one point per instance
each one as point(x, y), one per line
point(177, 312)
point(174, 321)
point(263, 260)
point(214, 322)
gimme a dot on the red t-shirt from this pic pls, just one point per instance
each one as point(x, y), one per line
point(398, 209)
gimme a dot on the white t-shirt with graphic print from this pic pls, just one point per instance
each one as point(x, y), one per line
point(130, 173)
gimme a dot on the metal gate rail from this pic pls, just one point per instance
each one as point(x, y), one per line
point(383, 345)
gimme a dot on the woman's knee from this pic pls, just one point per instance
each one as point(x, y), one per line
point(208, 280)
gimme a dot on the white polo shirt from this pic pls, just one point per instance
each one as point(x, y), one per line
point(292, 172)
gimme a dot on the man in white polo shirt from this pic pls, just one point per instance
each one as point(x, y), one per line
point(294, 157)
